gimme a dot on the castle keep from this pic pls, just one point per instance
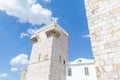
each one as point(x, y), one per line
point(104, 26)
point(49, 54)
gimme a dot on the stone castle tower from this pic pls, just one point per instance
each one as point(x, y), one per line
point(104, 25)
point(49, 54)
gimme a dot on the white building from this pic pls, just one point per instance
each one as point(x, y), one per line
point(81, 69)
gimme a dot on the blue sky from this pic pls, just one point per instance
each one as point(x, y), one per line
point(19, 19)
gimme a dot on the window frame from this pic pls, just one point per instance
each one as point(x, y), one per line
point(86, 69)
point(69, 71)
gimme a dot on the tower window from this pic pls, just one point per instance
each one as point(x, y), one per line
point(86, 72)
point(69, 72)
point(45, 57)
point(60, 58)
point(39, 57)
point(48, 34)
point(53, 32)
point(64, 62)
point(34, 39)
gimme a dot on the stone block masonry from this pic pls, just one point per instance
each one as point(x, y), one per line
point(104, 26)
point(49, 54)
point(23, 75)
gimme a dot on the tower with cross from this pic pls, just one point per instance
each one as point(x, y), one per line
point(49, 54)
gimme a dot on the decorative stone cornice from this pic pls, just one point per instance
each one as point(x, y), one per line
point(53, 32)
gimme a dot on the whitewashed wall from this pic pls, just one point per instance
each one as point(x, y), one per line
point(78, 70)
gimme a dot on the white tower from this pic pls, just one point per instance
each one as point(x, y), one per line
point(49, 54)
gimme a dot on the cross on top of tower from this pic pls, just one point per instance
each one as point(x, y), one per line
point(55, 20)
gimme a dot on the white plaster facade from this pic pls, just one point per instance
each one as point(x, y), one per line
point(81, 69)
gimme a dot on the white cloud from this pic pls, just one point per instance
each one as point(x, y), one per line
point(30, 30)
point(86, 36)
point(47, 0)
point(20, 61)
point(22, 35)
point(28, 33)
point(13, 69)
point(3, 75)
point(27, 11)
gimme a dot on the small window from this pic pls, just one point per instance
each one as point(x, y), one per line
point(64, 62)
point(45, 57)
point(79, 61)
point(60, 58)
point(34, 39)
point(86, 72)
point(69, 72)
point(48, 34)
point(39, 57)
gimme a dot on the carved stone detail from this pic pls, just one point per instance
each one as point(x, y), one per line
point(53, 32)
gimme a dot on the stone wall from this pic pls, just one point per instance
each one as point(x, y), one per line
point(104, 26)
point(59, 57)
point(23, 75)
point(49, 54)
point(40, 59)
